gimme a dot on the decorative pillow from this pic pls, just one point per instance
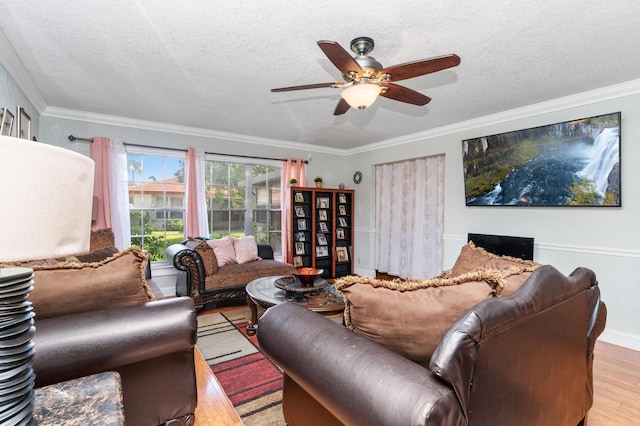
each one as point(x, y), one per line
point(38, 262)
point(70, 288)
point(472, 258)
point(206, 253)
point(223, 248)
point(246, 249)
point(411, 317)
point(101, 239)
point(97, 255)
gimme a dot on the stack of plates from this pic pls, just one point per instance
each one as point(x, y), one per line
point(16, 347)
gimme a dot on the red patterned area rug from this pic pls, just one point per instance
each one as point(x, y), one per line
point(250, 380)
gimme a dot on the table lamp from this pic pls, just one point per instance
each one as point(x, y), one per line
point(45, 212)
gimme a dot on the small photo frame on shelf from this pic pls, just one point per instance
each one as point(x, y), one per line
point(302, 225)
point(299, 197)
point(342, 198)
point(299, 211)
point(322, 215)
point(6, 127)
point(297, 261)
point(300, 236)
point(324, 227)
point(322, 202)
point(24, 124)
point(322, 240)
point(322, 251)
point(343, 222)
point(342, 255)
point(342, 210)
point(340, 233)
point(299, 248)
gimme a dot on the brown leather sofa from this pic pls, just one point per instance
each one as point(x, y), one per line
point(525, 359)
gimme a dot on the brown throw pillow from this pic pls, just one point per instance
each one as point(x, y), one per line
point(411, 317)
point(471, 258)
point(101, 239)
point(206, 253)
point(69, 288)
point(97, 255)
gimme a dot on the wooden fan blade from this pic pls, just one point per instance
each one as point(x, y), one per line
point(420, 67)
point(342, 107)
point(339, 57)
point(403, 94)
point(305, 86)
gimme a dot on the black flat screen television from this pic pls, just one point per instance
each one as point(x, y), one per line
point(502, 245)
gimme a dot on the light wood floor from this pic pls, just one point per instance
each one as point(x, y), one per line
point(616, 376)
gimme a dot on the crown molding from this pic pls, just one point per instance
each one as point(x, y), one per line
point(19, 74)
point(112, 120)
point(617, 91)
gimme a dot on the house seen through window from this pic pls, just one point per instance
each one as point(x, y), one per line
point(242, 199)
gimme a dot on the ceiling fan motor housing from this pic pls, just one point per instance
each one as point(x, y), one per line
point(370, 67)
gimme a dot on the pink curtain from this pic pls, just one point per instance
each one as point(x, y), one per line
point(192, 223)
point(291, 168)
point(101, 186)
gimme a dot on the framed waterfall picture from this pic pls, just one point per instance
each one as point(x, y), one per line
point(572, 163)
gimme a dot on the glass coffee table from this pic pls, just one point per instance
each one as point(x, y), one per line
point(265, 293)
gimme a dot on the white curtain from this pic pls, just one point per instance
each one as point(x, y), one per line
point(120, 223)
point(410, 217)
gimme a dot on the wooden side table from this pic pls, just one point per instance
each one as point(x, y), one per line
point(90, 400)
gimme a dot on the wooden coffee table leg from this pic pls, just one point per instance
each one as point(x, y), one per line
point(252, 327)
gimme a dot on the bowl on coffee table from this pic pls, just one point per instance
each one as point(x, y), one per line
point(307, 276)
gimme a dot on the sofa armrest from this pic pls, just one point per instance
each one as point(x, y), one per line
point(191, 273)
point(353, 378)
point(147, 268)
point(265, 251)
point(79, 345)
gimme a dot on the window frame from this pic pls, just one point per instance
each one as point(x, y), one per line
point(251, 210)
point(168, 209)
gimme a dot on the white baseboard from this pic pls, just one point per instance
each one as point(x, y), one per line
point(621, 339)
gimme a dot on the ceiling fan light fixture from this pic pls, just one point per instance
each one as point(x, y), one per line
point(361, 95)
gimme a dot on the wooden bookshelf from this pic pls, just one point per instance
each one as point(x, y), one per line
point(322, 230)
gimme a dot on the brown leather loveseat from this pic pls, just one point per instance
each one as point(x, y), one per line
point(525, 359)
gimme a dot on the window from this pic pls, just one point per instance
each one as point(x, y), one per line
point(156, 201)
point(244, 199)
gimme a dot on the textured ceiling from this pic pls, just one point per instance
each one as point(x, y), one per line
point(211, 65)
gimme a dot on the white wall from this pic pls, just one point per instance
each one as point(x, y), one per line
point(602, 239)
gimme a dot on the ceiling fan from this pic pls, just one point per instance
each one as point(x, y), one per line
point(365, 78)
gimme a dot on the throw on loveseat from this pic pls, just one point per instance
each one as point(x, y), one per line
point(214, 270)
point(522, 358)
point(95, 312)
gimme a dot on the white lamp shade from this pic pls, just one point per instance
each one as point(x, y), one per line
point(361, 95)
point(45, 200)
